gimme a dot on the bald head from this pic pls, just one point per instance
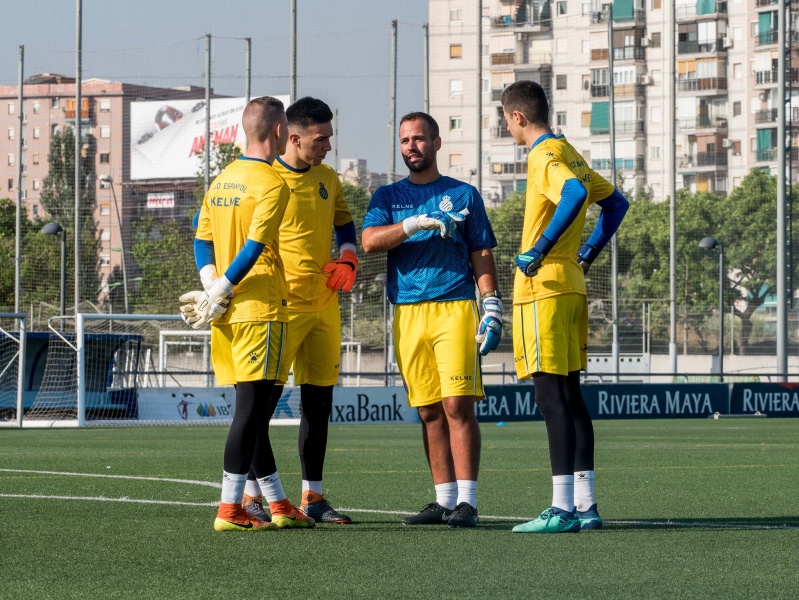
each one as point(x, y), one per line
point(260, 117)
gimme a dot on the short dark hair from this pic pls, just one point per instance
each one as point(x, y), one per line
point(259, 116)
point(528, 98)
point(416, 116)
point(308, 111)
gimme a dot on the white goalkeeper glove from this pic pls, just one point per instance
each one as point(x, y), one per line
point(445, 222)
point(204, 306)
point(489, 332)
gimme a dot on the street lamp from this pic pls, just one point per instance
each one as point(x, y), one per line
point(708, 243)
point(108, 180)
point(54, 228)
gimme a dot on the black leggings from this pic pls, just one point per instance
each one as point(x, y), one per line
point(317, 403)
point(569, 427)
point(248, 439)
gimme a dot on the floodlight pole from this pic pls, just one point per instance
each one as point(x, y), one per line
point(18, 256)
point(614, 258)
point(78, 182)
point(721, 312)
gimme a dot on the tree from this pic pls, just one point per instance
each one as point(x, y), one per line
point(221, 156)
point(58, 200)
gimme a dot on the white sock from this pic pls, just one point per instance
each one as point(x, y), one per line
point(584, 490)
point(563, 492)
point(252, 489)
point(314, 486)
point(233, 487)
point(446, 493)
point(271, 488)
point(467, 492)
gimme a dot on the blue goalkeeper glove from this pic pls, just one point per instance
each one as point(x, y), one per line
point(448, 221)
point(530, 262)
point(489, 332)
point(586, 257)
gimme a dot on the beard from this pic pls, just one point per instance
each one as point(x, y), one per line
point(426, 162)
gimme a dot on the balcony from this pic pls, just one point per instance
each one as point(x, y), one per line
point(768, 115)
point(600, 91)
point(766, 154)
point(765, 38)
point(688, 13)
point(598, 17)
point(622, 164)
point(500, 131)
point(507, 22)
point(705, 84)
point(629, 53)
point(770, 77)
point(700, 47)
point(702, 122)
point(600, 55)
point(520, 58)
point(511, 168)
point(629, 127)
point(703, 159)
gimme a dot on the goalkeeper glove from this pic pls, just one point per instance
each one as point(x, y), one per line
point(489, 332)
point(444, 221)
point(342, 271)
point(530, 262)
point(586, 256)
point(200, 309)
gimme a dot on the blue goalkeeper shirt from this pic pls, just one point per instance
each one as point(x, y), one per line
point(426, 266)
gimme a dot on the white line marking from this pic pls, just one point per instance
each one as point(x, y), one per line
point(105, 476)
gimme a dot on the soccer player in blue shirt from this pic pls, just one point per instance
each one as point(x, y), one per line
point(438, 239)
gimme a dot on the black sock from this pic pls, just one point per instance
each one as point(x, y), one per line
point(317, 402)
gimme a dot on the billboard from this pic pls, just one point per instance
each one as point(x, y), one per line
point(167, 137)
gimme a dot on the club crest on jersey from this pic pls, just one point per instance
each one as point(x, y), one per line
point(322, 191)
point(445, 205)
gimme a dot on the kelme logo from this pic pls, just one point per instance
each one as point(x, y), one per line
point(322, 191)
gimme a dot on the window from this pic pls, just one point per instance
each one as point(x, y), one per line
point(11, 159)
point(53, 102)
point(105, 157)
point(10, 184)
point(737, 71)
point(11, 109)
point(560, 82)
point(455, 15)
point(105, 210)
point(455, 160)
point(561, 8)
point(105, 105)
point(105, 235)
point(486, 83)
point(736, 148)
point(53, 129)
point(455, 51)
point(456, 87)
point(486, 122)
point(655, 39)
point(736, 109)
point(36, 133)
point(35, 159)
point(36, 184)
point(105, 131)
point(654, 152)
point(105, 260)
point(455, 123)
point(560, 119)
point(35, 108)
point(586, 118)
point(11, 133)
point(655, 4)
point(35, 210)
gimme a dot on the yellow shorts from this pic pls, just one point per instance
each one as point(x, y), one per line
point(247, 351)
point(436, 351)
point(313, 346)
point(550, 335)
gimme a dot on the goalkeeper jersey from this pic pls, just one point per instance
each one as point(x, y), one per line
point(551, 162)
point(247, 201)
point(315, 206)
point(426, 266)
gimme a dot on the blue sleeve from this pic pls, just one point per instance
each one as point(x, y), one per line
point(195, 222)
point(244, 261)
point(377, 214)
point(572, 198)
point(203, 253)
point(614, 207)
point(345, 234)
point(479, 234)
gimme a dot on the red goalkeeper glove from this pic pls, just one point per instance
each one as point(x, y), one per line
point(342, 271)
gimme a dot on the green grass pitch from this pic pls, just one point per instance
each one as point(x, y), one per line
point(693, 508)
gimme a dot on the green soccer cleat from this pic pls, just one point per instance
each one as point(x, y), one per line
point(589, 519)
point(552, 520)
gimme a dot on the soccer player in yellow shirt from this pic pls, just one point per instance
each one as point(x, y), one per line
point(237, 235)
point(550, 310)
point(315, 209)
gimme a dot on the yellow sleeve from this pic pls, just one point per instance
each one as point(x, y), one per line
point(204, 224)
point(269, 213)
point(550, 174)
point(599, 188)
point(343, 214)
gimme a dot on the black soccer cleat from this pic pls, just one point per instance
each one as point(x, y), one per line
point(464, 515)
point(431, 514)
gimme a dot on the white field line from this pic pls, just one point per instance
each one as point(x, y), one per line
point(664, 524)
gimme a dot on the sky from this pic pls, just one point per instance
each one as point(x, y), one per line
point(343, 53)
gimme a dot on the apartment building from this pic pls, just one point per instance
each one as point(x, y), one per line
point(104, 123)
point(726, 84)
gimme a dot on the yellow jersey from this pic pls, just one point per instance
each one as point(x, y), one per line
point(247, 201)
point(315, 206)
point(550, 164)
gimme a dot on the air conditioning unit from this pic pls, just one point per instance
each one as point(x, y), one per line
point(726, 143)
point(645, 41)
point(726, 42)
point(647, 80)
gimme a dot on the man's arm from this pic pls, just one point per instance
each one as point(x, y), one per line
point(382, 238)
point(485, 270)
point(614, 207)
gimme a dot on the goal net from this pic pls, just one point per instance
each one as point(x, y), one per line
point(101, 370)
point(12, 367)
